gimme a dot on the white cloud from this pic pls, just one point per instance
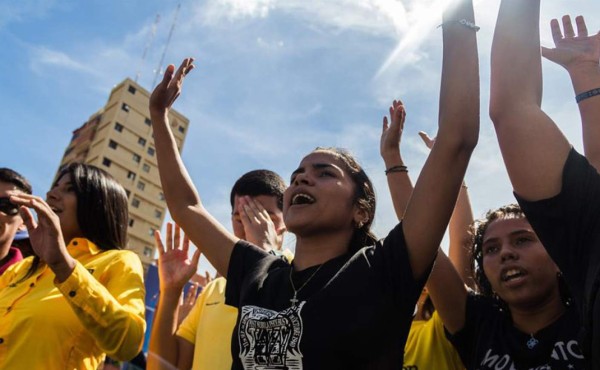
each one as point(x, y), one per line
point(43, 57)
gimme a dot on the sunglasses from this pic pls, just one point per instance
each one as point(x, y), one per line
point(7, 207)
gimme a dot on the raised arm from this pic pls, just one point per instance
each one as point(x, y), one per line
point(181, 195)
point(434, 196)
point(175, 269)
point(389, 146)
point(533, 148)
point(579, 54)
point(461, 220)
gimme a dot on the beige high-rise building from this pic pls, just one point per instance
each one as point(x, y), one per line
point(118, 139)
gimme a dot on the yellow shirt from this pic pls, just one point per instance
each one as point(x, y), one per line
point(427, 347)
point(210, 324)
point(71, 325)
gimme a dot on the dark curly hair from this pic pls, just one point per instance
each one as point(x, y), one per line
point(478, 229)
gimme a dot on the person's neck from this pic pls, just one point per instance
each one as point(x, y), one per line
point(532, 319)
point(317, 249)
point(4, 249)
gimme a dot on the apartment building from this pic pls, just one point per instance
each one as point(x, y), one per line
point(118, 138)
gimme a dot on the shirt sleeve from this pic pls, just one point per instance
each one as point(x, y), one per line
point(391, 258)
point(113, 313)
point(188, 328)
point(568, 223)
point(465, 340)
point(246, 261)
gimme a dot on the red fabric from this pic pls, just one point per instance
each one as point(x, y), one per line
point(14, 255)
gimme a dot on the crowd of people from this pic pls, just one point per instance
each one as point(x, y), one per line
point(519, 289)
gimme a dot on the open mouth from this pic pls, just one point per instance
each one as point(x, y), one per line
point(512, 274)
point(301, 198)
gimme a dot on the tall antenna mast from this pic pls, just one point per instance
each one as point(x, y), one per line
point(162, 58)
point(148, 45)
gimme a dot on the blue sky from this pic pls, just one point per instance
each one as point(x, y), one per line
point(274, 79)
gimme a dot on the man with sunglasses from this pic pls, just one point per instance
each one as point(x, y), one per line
point(11, 183)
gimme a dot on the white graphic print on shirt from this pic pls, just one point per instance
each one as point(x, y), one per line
point(567, 354)
point(270, 339)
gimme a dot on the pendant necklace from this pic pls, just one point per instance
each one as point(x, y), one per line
point(294, 300)
point(532, 342)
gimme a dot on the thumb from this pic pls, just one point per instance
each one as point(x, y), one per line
point(281, 230)
point(28, 219)
point(426, 139)
point(549, 54)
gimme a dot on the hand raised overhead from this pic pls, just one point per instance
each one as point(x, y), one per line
point(175, 268)
point(167, 91)
point(573, 50)
point(391, 134)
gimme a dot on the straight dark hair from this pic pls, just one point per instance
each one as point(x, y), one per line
point(102, 212)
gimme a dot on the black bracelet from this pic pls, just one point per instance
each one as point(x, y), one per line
point(399, 168)
point(588, 94)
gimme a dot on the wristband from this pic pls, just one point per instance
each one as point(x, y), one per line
point(588, 94)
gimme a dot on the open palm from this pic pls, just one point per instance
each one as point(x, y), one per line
point(175, 267)
point(572, 50)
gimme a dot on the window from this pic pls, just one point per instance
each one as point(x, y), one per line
point(128, 193)
point(131, 222)
point(141, 185)
point(148, 122)
point(131, 89)
point(150, 151)
point(131, 175)
point(125, 107)
point(151, 231)
point(157, 213)
point(181, 129)
point(106, 162)
point(112, 144)
point(142, 141)
point(146, 167)
point(136, 158)
point(118, 127)
point(148, 252)
point(161, 196)
point(135, 203)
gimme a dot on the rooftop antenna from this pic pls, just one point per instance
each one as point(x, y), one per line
point(162, 58)
point(148, 45)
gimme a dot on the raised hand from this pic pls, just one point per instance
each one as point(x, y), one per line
point(573, 50)
point(187, 303)
point(167, 91)
point(389, 144)
point(175, 268)
point(426, 139)
point(45, 234)
point(258, 226)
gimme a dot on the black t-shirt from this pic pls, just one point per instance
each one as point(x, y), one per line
point(569, 227)
point(354, 313)
point(489, 340)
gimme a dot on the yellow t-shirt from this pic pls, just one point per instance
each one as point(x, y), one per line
point(71, 325)
point(210, 324)
point(427, 347)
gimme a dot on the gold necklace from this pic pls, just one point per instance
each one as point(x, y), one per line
point(294, 300)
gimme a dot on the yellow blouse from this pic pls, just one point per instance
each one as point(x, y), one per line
point(98, 310)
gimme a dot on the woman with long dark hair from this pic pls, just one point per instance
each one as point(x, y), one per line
point(81, 296)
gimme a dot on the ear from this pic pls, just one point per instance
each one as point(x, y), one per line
point(361, 217)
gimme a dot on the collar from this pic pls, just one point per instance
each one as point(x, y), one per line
point(81, 245)
point(14, 255)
